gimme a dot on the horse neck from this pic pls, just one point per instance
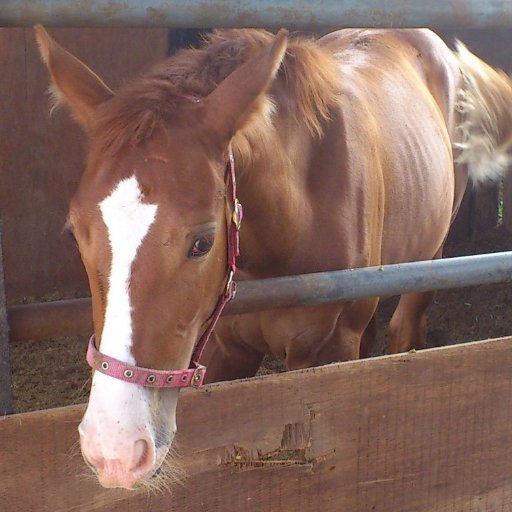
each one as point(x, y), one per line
point(271, 173)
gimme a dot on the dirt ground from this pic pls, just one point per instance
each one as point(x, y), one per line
point(54, 373)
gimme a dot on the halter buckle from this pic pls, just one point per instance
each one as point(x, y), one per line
point(237, 214)
point(198, 377)
point(230, 290)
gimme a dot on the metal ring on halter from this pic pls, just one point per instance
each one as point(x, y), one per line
point(230, 284)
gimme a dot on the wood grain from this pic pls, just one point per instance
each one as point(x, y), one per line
point(429, 431)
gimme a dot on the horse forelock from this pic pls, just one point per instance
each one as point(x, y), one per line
point(308, 81)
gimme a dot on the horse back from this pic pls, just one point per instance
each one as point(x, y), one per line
point(398, 109)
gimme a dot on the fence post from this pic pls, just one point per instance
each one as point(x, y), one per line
point(5, 366)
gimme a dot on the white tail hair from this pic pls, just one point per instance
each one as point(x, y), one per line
point(485, 104)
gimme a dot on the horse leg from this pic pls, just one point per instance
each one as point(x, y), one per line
point(354, 333)
point(230, 361)
point(408, 326)
point(369, 338)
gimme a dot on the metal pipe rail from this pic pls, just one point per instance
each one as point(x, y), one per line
point(295, 14)
point(62, 318)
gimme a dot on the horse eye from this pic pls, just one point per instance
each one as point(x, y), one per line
point(201, 246)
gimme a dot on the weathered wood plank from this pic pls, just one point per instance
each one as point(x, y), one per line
point(424, 432)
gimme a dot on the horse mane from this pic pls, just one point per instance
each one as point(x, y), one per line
point(307, 86)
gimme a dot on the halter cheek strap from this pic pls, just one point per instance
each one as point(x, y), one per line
point(194, 375)
point(233, 252)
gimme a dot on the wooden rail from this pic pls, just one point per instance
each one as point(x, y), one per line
point(429, 431)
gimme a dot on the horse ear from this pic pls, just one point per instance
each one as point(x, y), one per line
point(232, 103)
point(73, 82)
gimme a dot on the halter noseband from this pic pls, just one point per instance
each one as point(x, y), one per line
point(194, 375)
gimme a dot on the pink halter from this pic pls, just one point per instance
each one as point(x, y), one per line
point(194, 375)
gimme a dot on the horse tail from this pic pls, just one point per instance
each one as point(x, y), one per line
point(485, 105)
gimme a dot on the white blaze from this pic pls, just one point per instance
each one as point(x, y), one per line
point(118, 412)
point(128, 221)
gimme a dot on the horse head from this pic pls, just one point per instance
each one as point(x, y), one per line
point(150, 221)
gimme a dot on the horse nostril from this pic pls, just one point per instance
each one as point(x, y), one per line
point(142, 455)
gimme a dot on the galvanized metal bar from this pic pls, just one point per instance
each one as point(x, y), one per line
point(60, 318)
point(5, 365)
point(308, 289)
point(296, 14)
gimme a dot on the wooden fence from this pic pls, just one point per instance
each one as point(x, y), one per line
point(423, 432)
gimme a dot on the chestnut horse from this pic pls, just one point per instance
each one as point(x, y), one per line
point(344, 158)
